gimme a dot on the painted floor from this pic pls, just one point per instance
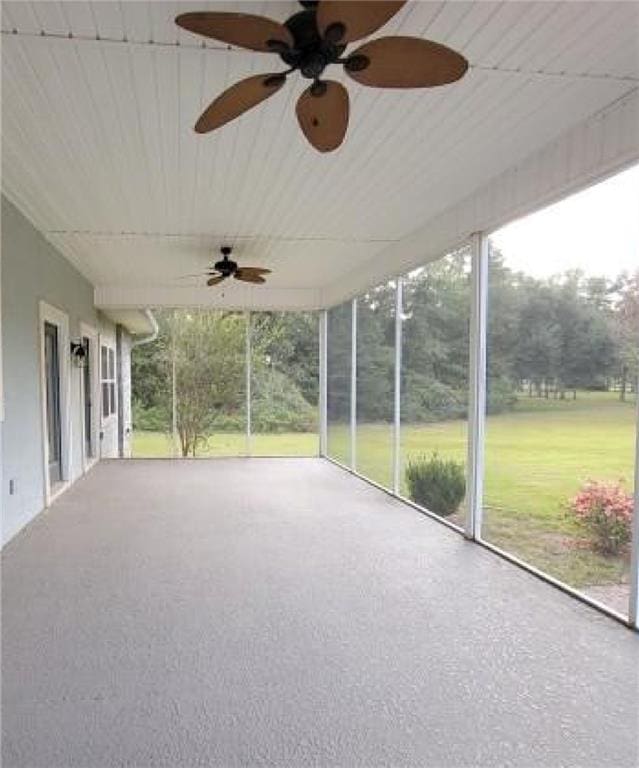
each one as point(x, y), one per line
point(256, 612)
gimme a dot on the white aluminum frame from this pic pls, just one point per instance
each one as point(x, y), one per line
point(633, 606)
point(323, 383)
point(353, 427)
point(397, 404)
point(477, 385)
point(174, 428)
point(249, 370)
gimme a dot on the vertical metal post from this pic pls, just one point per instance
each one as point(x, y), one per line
point(174, 429)
point(353, 431)
point(477, 385)
point(397, 459)
point(248, 367)
point(633, 608)
point(323, 382)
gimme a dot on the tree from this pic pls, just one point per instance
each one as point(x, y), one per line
point(626, 331)
point(339, 363)
point(208, 350)
point(289, 342)
point(375, 355)
point(435, 344)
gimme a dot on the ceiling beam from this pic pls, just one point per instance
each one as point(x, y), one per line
point(229, 296)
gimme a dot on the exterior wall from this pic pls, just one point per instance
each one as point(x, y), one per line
point(33, 271)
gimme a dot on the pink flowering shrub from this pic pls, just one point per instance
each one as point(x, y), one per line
point(606, 511)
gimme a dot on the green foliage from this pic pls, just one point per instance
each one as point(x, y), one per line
point(279, 406)
point(209, 353)
point(339, 363)
point(288, 341)
point(375, 355)
point(154, 418)
point(206, 351)
point(501, 395)
point(427, 400)
point(436, 484)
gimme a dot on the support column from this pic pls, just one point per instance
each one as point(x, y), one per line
point(174, 429)
point(477, 386)
point(397, 459)
point(323, 382)
point(353, 435)
point(120, 388)
point(633, 608)
point(248, 366)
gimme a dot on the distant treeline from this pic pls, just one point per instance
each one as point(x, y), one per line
point(546, 337)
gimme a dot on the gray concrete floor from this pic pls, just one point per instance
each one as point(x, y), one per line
point(283, 613)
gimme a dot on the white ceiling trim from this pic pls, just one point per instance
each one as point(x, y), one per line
point(233, 296)
point(594, 149)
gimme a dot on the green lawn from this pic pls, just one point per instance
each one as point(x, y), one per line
point(155, 445)
point(537, 457)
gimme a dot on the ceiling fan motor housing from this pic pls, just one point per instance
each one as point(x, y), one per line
point(311, 54)
point(226, 266)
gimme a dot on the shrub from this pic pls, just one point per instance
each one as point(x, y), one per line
point(437, 484)
point(155, 418)
point(605, 510)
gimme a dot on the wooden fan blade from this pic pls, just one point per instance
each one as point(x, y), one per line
point(215, 280)
point(342, 21)
point(322, 113)
point(255, 270)
point(248, 277)
point(237, 99)
point(405, 62)
point(242, 29)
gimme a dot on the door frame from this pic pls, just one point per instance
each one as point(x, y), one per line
point(91, 333)
point(55, 316)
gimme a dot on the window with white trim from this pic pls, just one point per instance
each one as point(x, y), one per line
point(107, 377)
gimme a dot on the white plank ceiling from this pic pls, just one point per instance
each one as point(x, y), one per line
point(99, 100)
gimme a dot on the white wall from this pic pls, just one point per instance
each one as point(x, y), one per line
point(33, 271)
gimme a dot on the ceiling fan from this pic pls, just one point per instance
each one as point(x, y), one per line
point(310, 41)
point(225, 268)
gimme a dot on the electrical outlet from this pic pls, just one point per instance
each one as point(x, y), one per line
point(13, 486)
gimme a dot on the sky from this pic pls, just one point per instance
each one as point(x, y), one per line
point(596, 230)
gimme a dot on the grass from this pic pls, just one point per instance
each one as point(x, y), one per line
point(537, 457)
point(155, 445)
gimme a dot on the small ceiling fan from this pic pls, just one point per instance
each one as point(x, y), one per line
point(310, 41)
point(225, 268)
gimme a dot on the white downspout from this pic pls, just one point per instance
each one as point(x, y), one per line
point(154, 333)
